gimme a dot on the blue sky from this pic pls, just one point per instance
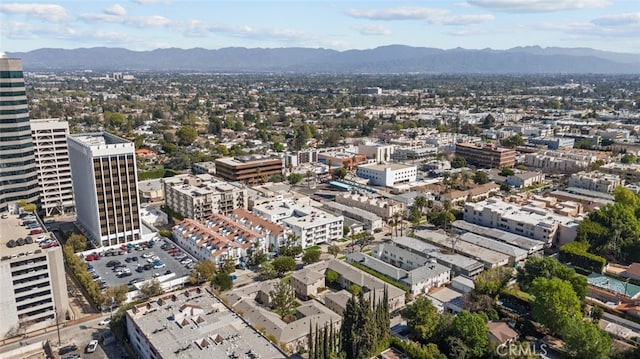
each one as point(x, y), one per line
point(612, 25)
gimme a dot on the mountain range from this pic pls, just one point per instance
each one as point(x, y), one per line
point(381, 60)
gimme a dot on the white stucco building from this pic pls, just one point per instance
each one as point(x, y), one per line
point(389, 174)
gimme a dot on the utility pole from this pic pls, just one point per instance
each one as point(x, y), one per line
point(113, 299)
point(57, 325)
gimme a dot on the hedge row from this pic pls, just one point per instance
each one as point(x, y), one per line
point(159, 173)
point(79, 270)
point(576, 254)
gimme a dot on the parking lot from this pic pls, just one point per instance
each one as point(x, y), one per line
point(136, 264)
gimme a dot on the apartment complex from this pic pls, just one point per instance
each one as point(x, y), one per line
point(529, 221)
point(486, 155)
point(18, 172)
point(310, 225)
point(595, 181)
point(274, 234)
point(630, 173)
point(388, 174)
point(105, 187)
point(559, 161)
point(248, 169)
point(52, 160)
point(33, 287)
point(384, 208)
point(199, 196)
point(199, 325)
point(218, 238)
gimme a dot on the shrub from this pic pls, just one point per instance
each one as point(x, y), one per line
point(576, 253)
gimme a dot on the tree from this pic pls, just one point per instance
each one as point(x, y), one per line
point(290, 251)
point(472, 329)
point(222, 281)
point(283, 265)
point(186, 135)
point(30, 207)
point(340, 173)
point(355, 289)
point(204, 270)
point(311, 256)
point(480, 177)
point(488, 122)
point(492, 281)
point(267, 271)
point(283, 298)
point(458, 162)
point(334, 250)
point(547, 267)
point(151, 288)
point(555, 303)
point(77, 241)
point(512, 141)
point(506, 171)
point(118, 293)
point(295, 178)
point(331, 277)
point(629, 158)
point(584, 339)
point(422, 319)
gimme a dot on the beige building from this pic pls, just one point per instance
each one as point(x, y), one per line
point(384, 208)
point(630, 173)
point(33, 286)
point(199, 196)
point(595, 181)
point(306, 283)
point(54, 171)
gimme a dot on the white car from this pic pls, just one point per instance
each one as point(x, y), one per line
point(105, 321)
point(92, 346)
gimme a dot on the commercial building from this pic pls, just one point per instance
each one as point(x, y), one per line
point(18, 172)
point(528, 221)
point(553, 143)
point(382, 207)
point(204, 168)
point(370, 221)
point(413, 153)
point(379, 152)
point(532, 246)
point(194, 324)
point(418, 280)
point(341, 159)
point(199, 196)
point(248, 169)
point(218, 238)
point(595, 181)
point(526, 179)
point(310, 225)
point(253, 302)
point(49, 138)
point(630, 173)
point(33, 287)
point(388, 174)
point(105, 187)
point(490, 258)
point(486, 155)
point(407, 250)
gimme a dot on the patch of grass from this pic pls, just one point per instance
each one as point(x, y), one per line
point(382, 277)
point(311, 248)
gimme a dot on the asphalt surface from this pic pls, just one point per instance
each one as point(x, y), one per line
point(171, 263)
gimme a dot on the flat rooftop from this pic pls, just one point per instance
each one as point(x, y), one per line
point(488, 256)
point(195, 324)
point(391, 166)
point(10, 229)
point(248, 159)
point(525, 243)
point(429, 250)
point(98, 139)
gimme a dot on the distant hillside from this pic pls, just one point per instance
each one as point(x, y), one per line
point(383, 60)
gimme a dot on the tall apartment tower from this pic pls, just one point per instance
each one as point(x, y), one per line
point(105, 187)
point(52, 160)
point(18, 174)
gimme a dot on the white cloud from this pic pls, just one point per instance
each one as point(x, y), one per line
point(24, 31)
point(134, 21)
point(618, 20)
point(116, 10)
point(372, 30)
point(592, 30)
point(527, 6)
point(147, 2)
point(463, 19)
point(48, 12)
point(398, 13)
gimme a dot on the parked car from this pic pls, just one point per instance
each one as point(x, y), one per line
point(125, 274)
point(113, 263)
point(92, 346)
point(159, 265)
point(67, 349)
point(35, 231)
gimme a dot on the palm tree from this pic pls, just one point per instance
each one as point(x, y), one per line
point(420, 202)
point(465, 177)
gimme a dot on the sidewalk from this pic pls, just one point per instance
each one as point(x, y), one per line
point(49, 329)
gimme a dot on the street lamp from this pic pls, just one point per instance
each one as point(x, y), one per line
point(113, 300)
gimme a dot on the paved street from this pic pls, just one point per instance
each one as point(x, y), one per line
point(79, 334)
